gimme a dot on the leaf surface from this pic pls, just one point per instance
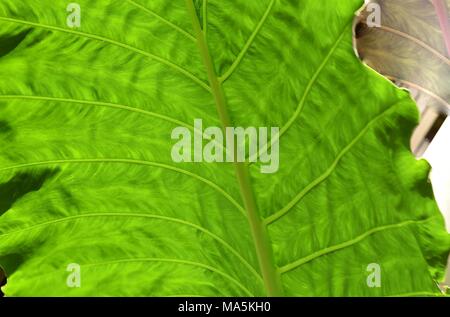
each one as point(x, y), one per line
point(86, 175)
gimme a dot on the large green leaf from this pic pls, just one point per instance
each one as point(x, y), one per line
point(87, 177)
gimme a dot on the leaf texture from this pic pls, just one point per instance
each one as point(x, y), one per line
point(86, 175)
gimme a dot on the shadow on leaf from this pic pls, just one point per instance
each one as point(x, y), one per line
point(21, 184)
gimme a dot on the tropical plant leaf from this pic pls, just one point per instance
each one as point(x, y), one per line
point(87, 177)
point(409, 47)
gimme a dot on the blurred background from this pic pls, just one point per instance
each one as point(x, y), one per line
point(408, 41)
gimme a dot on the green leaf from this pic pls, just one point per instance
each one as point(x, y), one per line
point(409, 47)
point(86, 175)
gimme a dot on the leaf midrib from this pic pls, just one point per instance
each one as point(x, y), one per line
point(261, 240)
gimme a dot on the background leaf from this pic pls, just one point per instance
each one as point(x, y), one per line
point(409, 48)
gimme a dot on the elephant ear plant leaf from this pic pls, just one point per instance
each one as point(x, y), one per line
point(92, 203)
